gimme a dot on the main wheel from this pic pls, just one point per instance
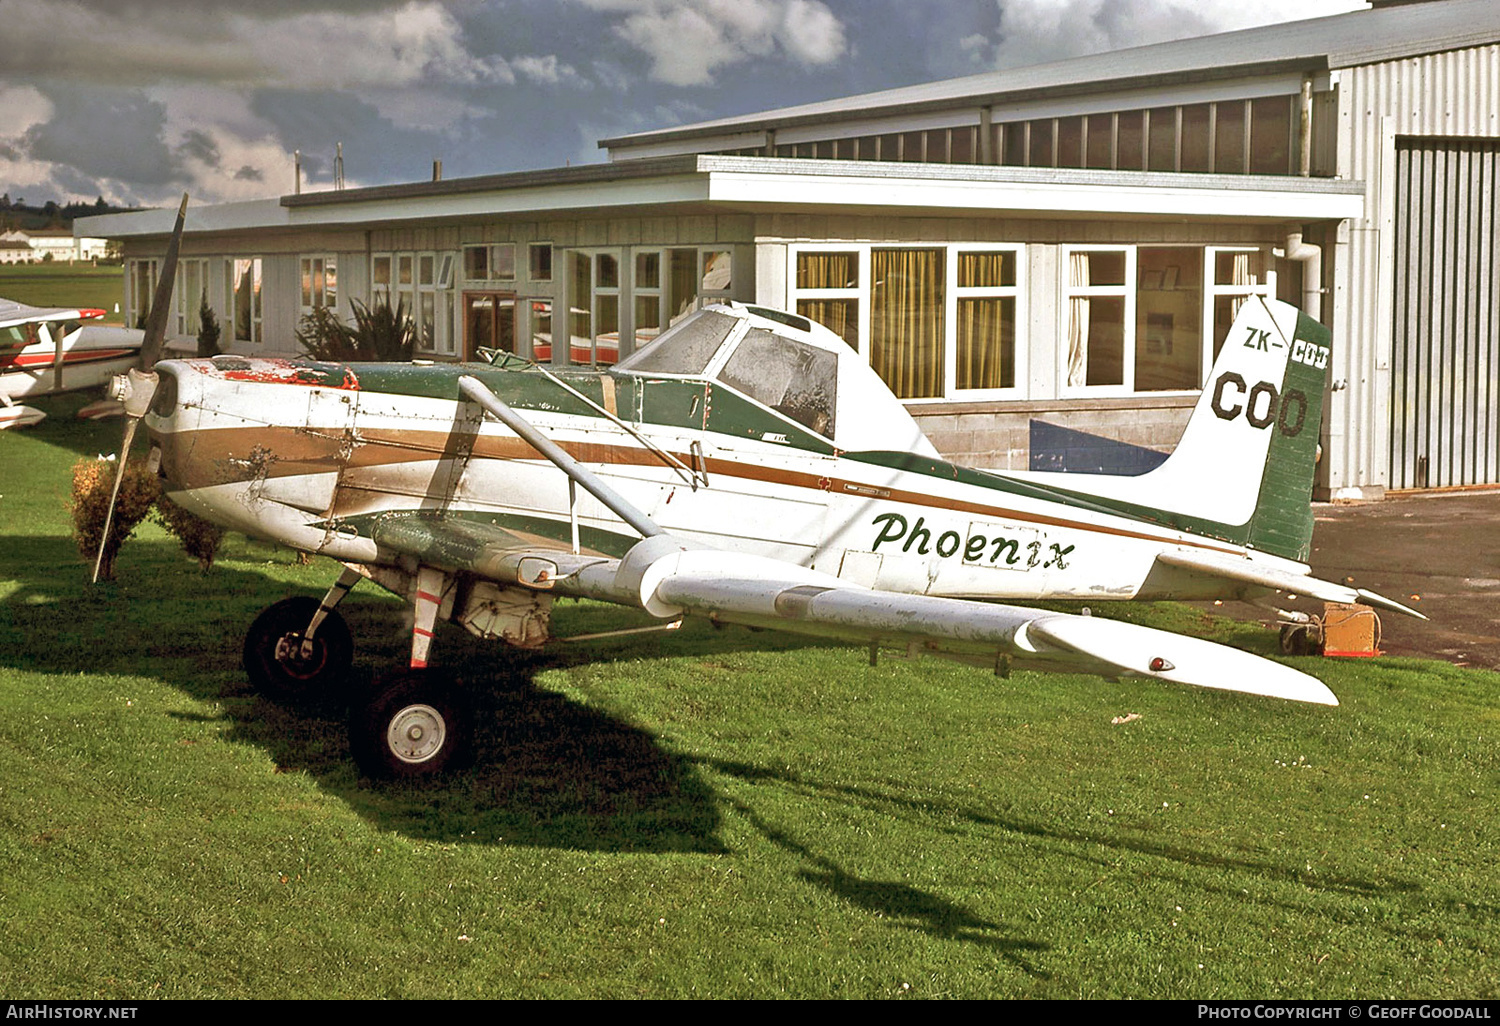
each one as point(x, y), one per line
point(273, 650)
point(416, 726)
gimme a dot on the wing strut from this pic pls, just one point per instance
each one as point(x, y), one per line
point(472, 388)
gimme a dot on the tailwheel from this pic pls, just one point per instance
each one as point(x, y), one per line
point(416, 726)
point(281, 666)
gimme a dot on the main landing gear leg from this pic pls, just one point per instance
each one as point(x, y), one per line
point(417, 725)
point(299, 647)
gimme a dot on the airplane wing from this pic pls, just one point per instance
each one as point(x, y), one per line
point(1246, 571)
point(669, 579)
point(13, 313)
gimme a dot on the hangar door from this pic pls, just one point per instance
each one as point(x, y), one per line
point(1445, 358)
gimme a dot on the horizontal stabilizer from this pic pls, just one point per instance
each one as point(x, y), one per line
point(1249, 572)
point(1142, 651)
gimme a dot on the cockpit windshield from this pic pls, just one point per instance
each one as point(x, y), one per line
point(685, 348)
point(796, 380)
point(789, 365)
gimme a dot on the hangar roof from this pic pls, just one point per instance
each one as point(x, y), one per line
point(704, 183)
point(1318, 44)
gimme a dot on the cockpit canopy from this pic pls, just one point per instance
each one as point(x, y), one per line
point(790, 365)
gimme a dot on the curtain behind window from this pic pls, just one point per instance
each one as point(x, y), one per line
point(1078, 322)
point(906, 320)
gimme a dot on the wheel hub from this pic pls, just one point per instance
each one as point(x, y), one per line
point(416, 733)
point(292, 654)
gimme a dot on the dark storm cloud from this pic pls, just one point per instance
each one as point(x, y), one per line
point(199, 146)
point(249, 174)
point(375, 148)
point(105, 132)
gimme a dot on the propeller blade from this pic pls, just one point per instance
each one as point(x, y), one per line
point(142, 377)
point(114, 494)
point(156, 322)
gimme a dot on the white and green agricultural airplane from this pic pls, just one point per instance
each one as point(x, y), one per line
point(746, 466)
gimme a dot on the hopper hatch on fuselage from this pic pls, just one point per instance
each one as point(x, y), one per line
point(790, 365)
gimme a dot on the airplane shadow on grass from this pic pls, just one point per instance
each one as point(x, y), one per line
point(548, 770)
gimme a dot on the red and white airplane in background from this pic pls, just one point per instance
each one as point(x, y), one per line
point(46, 350)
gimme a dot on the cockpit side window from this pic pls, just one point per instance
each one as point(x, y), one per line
point(17, 336)
point(796, 380)
point(685, 348)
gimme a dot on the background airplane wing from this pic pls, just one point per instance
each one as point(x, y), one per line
point(668, 579)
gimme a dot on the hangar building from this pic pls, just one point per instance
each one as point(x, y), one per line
point(1060, 246)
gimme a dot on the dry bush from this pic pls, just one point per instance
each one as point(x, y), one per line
point(92, 481)
point(200, 539)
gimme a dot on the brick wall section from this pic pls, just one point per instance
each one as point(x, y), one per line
point(998, 436)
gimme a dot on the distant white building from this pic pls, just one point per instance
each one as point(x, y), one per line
point(1064, 244)
point(37, 245)
point(15, 249)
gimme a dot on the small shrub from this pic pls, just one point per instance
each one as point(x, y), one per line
point(324, 337)
point(208, 330)
point(92, 481)
point(378, 334)
point(200, 539)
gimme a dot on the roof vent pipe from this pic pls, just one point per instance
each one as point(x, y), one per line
point(1304, 128)
point(1311, 259)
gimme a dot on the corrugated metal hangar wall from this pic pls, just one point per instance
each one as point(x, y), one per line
point(1445, 346)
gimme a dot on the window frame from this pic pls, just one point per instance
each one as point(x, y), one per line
point(186, 306)
point(862, 292)
point(232, 270)
point(443, 264)
point(311, 295)
point(1210, 293)
point(139, 292)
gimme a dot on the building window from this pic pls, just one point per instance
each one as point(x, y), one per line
point(1100, 306)
point(1256, 136)
point(189, 294)
point(594, 307)
point(496, 262)
point(933, 321)
point(539, 261)
point(320, 282)
point(421, 285)
point(827, 287)
point(541, 330)
point(647, 295)
point(1169, 318)
point(242, 280)
point(906, 320)
point(985, 325)
point(1152, 318)
point(1237, 274)
point(141, 290)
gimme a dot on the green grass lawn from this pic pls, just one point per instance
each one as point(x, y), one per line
point(57, 284)
point(707, 813)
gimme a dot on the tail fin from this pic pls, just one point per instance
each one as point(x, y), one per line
point(1248, 455)
point(1243, 470)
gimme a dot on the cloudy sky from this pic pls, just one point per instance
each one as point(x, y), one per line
point(138, 100)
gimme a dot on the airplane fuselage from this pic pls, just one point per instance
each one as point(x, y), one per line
point(317, 456)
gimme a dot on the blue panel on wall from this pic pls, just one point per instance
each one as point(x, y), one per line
point(1064, 450)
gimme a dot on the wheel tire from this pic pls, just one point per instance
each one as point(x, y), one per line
point(273, 657)
point(415, 726)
